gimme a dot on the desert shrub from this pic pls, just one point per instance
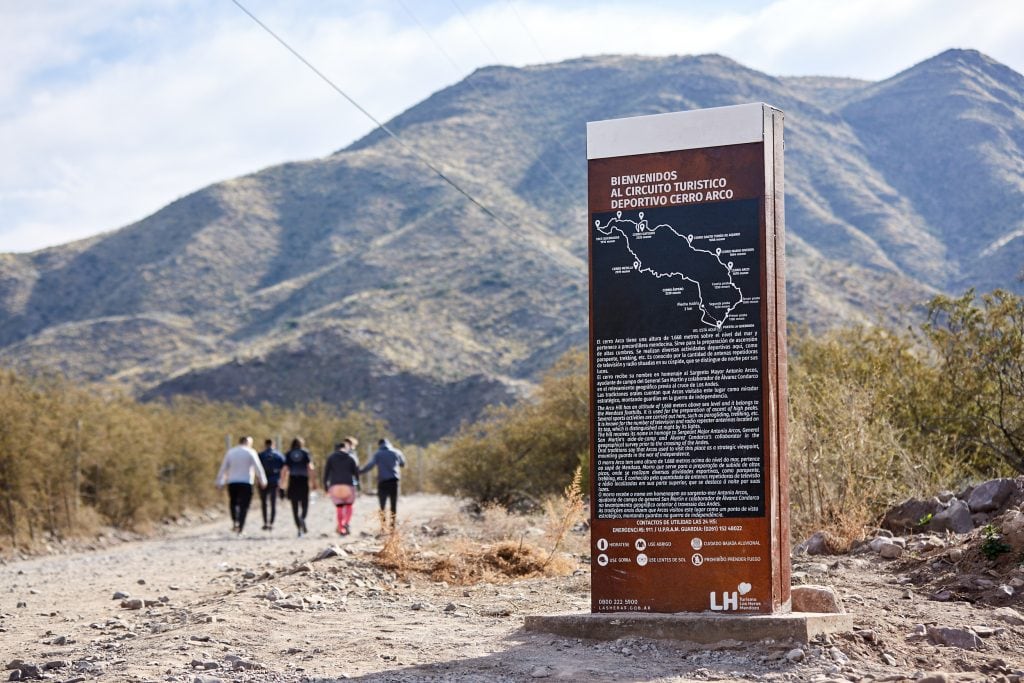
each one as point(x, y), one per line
point(978, 344)
point(852, 450)
point(71, 459)
point(518, 454)
point(993, 545)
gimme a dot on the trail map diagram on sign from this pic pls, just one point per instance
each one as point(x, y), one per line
point(663, 252)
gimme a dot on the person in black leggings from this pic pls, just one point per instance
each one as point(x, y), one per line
point(388, 460)
point(299, 472)
point(273, 462)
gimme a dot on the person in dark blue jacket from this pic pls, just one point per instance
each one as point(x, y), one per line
point(273, 462)
point(388, 460)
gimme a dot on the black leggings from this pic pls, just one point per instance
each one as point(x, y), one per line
point(268, 498)
point(298, 493)
point(385, 490)
point(239, 496)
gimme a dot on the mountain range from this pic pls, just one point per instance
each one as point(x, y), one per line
point(363, 277)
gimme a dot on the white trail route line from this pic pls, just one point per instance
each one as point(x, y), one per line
point(641, 230)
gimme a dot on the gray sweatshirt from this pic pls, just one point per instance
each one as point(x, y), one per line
point(387, 460)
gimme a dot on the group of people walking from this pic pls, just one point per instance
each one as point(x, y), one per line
point(291, 475)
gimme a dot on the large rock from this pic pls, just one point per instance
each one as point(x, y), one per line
point(954, 637)
point(907, 516)
point(820, 543)
point(991, 495)
point(955, 518)
point(1009, 616)
point(820, 599)
point(1011, 526)
point(891, 551)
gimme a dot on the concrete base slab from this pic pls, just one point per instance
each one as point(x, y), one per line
point(799, 627)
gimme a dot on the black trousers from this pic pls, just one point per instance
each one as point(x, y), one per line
point(388, 490)
point(268, 499)
point(298, 494)
point(239, 496)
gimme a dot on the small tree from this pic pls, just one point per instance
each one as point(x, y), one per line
point(980, 351)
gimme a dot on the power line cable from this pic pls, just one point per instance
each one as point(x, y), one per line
point(479, 36)
point(430, 36)
point(473, 84)
point(529, 33)
point(543, 57)
point(423, 159)
point(497, 59)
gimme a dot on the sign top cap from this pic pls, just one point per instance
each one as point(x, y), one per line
point(714, 127)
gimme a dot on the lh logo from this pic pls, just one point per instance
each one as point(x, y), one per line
point(730, 600)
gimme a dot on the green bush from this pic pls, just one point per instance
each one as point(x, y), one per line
point(854, 397)
point(519, 454)
point(979, 350)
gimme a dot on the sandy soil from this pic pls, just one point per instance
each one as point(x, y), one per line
point(263, 608)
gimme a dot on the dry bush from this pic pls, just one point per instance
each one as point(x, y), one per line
point(497, 524)
point(469, 563)
point(852, 452)
point(465, 562)
point(393, 554)
point(490, 544)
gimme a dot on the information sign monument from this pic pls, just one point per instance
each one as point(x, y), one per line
point(690, 508)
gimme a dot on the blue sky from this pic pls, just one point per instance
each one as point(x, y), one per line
point(110, 109)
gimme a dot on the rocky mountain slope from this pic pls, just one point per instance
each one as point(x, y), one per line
point(363, 277)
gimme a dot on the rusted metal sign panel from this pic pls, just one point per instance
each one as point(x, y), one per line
point(687, 358)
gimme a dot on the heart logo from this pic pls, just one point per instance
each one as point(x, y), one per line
point(744, 588)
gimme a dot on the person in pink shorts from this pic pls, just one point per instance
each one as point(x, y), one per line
point(341, 479)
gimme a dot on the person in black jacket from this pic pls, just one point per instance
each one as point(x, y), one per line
point(341, 479)
point(298, 474)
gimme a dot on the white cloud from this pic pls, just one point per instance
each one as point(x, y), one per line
point(111, 109)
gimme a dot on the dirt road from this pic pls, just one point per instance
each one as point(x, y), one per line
point(204, 604)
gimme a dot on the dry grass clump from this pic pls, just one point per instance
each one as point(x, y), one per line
point(518, 560)
point(497, 524)
point(489, 544)
point(470, 563)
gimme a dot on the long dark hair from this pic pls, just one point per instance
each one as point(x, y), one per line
point(298, 443)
